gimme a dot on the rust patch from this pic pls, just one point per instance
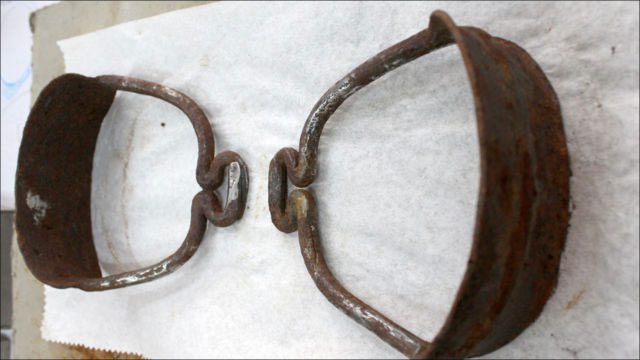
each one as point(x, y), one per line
point(575, 299)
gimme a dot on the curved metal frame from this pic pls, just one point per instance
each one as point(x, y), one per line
point(53, 182)
point(523, 203)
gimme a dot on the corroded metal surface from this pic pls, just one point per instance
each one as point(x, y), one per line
point(53, 182)
point(523, 202)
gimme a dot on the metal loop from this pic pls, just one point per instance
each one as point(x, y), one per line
point(237, 187)
point(280, 207)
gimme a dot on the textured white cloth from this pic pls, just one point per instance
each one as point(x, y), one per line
point(397, 185)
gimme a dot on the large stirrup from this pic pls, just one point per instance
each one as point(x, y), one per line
point(523, 203)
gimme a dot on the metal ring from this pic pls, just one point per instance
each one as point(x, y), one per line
point(53, 182)
point(523, 203)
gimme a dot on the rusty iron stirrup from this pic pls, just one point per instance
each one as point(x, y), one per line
point(53, 182)
point(523, 201)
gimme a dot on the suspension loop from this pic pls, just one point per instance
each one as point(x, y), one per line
point(237, 187)
point(281, 169)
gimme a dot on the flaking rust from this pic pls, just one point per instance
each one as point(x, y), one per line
point(53, 182)
point(523, 202)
